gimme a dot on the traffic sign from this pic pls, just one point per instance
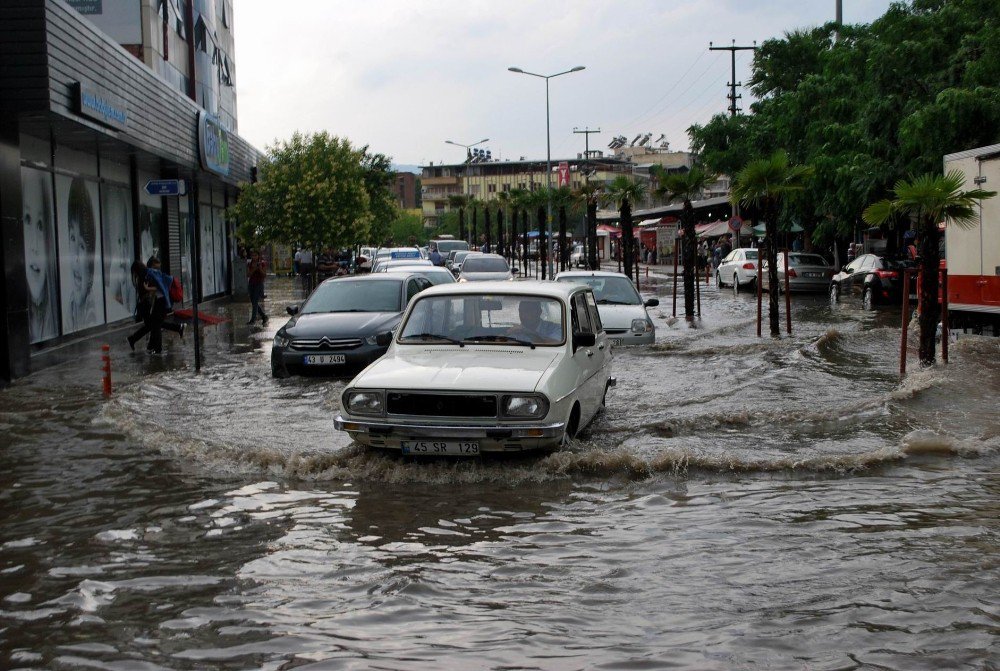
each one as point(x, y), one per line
point(735, 224)
point(166, 187)
point(564, 173)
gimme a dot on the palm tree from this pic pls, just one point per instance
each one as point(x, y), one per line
point(539, 200)
point(459, 202)
point(486, 225)
point(623, 192)
point(763, 185)
point(686, 186)
point(562, 197)
point(926, 201)
point(503, 202)
point(589, 195)
point(518, 199)
point(473, 237)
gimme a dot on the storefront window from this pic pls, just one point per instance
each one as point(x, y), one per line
point(39, 254)
point(80, 270)
point(116, 214)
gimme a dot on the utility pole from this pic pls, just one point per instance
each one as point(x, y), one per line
point(733, 109)
point(840, 20)
point(586, 132)
point(588, 238)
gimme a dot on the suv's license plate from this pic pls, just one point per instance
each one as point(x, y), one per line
point(457, 448)
point(323, 359)
point(616, 342)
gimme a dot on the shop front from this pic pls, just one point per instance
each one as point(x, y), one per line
point(84, 127)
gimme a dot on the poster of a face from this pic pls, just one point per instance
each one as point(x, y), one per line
point(40, 254)
point(219, 223)
point(149, 232)
point(119, 292)
point(80, 272)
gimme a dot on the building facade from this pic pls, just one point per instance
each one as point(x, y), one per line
point(85, 124)
point(405, 190)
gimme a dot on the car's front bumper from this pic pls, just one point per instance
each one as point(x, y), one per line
point(293, 361)
point(630, 338)
point(492, 437)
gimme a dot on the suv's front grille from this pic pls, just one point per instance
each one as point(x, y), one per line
point(442, 405)
point(324, 343)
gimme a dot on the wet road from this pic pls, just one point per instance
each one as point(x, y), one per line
point(744, 503)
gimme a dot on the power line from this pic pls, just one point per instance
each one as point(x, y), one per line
point(631, 123)
point(733, 109)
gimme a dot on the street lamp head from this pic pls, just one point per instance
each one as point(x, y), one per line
point(578, 68)
point(516, 70)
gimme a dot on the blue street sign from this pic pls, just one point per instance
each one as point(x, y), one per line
point(166, 187)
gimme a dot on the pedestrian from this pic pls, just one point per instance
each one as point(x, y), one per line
point(910, 238)
point(304, 257)
point(256, 274)
point(797, 243)
point(435, 255)
point(155, 292)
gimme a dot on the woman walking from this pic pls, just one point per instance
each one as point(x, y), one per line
point(256, 274)
point(153, 305)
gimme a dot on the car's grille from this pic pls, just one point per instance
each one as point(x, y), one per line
point(325, 344)
point(442, 405)
point(615, 331)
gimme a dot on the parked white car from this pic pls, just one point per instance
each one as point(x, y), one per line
point(623, 312)
point(738, 269)
point(484, 367)
point(577, 258)
point(485, 268)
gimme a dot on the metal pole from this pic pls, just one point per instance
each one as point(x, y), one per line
point(548, 184)
point(758, 283)
point(944, 315)
point(195, 276)
point(788, 299)
point(906, 322)
point(697, 293)
point(674, 314)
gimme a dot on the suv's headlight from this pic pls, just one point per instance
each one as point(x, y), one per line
point(525, 407)
point(281, 340)
point(641, 326)
point(364, 402)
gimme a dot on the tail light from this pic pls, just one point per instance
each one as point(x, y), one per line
point(749, 266)
point(887, 274)
point(792, 273)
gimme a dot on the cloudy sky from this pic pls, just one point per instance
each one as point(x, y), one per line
point(404, 76)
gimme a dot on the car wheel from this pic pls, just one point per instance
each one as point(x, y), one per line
point(279, 372)
point(718, 280)
point(736, 285)
point(572, 426)
point(868, 299)
point(834, 292)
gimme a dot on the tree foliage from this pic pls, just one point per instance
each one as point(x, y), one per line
point(883, 102)
point(685, 187)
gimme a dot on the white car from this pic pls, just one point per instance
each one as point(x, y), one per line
point(484, 367)
point(738, 269)
point(577, 258)
point(485, 268)
point(622, 309)
point(436, 274)
point(385, 265)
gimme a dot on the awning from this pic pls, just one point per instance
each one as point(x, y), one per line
point(760, 230)
point(714, 229)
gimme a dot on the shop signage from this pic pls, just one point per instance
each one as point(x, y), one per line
point(101, 106)
point(166, 187)
point(87, 6)
point(213, 144)
point(564, 173)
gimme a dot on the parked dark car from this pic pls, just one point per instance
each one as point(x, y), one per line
point(873, 279)
point(344, 325)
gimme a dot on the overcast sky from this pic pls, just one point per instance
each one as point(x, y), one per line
point(403, 77)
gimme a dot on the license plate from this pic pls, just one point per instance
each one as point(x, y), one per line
point(616, 342)
point(459, 448)
point(323, 359)
point(812, 274)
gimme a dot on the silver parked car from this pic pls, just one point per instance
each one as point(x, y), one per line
point(484, 267)
point(436, 274)
point(739, 269)
point(806, 272)
point(623, 312)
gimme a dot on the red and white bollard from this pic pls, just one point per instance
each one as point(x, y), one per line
point(106, 367)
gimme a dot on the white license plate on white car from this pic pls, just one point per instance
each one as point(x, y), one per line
point(460, 448)
point(616, 342)
point(323, 359)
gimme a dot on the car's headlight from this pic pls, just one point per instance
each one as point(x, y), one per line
point(462, 279)
point(281, 340)
point(641, 326)
point(525, 407)
point(364, 402)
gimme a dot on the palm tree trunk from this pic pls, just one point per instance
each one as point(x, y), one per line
point(592, 234)
point(543, 242)
point(930, 310)
point(500, 235)
point(475, 238)
point(771, 227)
point(562, 238)
point(689, 248)
point(524, 239)
point(461, 223)
point(627, 257)
point(487, 224)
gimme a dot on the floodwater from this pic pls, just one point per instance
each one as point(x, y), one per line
point(744, 503)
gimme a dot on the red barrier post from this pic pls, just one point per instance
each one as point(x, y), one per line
point(106, 367)
point(675, 277)
point(788, 299)
point(944, 315)
point(906, 322)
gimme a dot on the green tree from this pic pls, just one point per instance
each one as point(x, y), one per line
point(686, 186)
point(459, 202)
point(408, 224)
point(589, 195)
point(925, 201)
point(519, 202)
point(623, 192)
point(503, 206)
point(379, 178)
point(764, 185)
point(311, 191)
point(562, 200)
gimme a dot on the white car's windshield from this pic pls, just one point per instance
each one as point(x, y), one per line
point(496, 319)
point(609, 290)
point(485, 264)
point(355, 296)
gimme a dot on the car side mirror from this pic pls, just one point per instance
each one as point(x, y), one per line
point(652, 302)
point(844, 269)
point(584, 340)
point(292, 310)
point(384, 339)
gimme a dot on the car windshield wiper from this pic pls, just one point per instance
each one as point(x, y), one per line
point(434, 336)
point(501, 338)
point(611, 301)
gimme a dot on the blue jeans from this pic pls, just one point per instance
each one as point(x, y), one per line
point(256, 296)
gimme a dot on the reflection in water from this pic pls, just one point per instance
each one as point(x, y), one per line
point(743, 504)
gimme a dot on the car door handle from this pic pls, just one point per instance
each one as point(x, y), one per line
point(601, 346)
point(590, 352)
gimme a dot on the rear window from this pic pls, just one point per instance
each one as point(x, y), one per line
point(751, 255)
point(806, 260)
point(476, 264)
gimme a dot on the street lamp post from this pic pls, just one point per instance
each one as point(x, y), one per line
point(548, 153)
point(468, 157)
